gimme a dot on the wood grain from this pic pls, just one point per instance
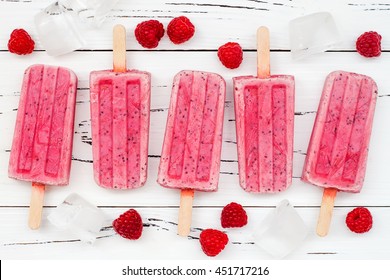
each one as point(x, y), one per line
point(326, 211)
point(36, 205)
point(185, 212)
point(263, 53)
point(119, 48)
point(217, 22)
point(160, 237)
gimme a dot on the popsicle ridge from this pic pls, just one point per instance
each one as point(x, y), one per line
point(56, 124)
point(105, 95)
point(33, 77)
point(178, 141)
point(134, 128)
point(279, 137)
point(251, 136)
point(208, 131)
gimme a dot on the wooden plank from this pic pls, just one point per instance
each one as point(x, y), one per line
point(159, 237)
point(217, 22)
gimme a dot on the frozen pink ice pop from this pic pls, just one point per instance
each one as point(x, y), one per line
point(120, 127)
point(191, 152)
point(42, 145)
point(120, 109)
point(264, 110)
point(338, 148)
point(337, 154)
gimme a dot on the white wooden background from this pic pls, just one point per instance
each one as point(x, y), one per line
point(217, 22)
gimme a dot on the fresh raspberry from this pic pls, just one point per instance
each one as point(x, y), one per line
point(230, 55)
point(213, 241)
point(369, 44)
point(20, 42)
point(359, 220)
point(149, 33)
point(129, 225)
point(233, 215)
point(180, 30)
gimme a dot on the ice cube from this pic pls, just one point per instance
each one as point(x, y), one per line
point(92, 12)
point(58, 30)
point(76, 215)
point(62, 26)
point(282, 231)
point(313, 33)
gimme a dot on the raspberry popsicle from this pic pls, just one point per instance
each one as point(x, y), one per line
point(42, 145)
point(191, 152)
point(337, 154)
point(120, 106)
point(264, 109)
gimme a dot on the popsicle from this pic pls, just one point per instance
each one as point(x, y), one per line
point(42, 145)
point(337, 155)
point(191, 152)
point(120, 109)
point(264, 110)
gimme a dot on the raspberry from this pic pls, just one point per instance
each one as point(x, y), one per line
point(129, 225)
point(233, 215)
point(149, 33)
point(20, 42)
point(180, 30)
point(230, 55)
point(213, 241)
point(369, 44)
point(359, 220)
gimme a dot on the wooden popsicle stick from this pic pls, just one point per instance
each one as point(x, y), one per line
point(263, 53)
point(36, 205)
point(326, 211)
point(185, 212)
point(119, 48)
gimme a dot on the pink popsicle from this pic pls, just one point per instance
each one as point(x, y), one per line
point(120, 106)
point(264, 110)
point(338, 149)
point(193, 137)
point(42, 145)
point(120, 110)
point(190, 158)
